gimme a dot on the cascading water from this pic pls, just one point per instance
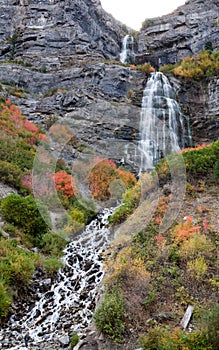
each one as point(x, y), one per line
point(163, 127)
point(72, 296)
point(128, 54)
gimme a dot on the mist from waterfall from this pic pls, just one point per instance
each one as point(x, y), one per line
point(163, 127)
point(127, 54)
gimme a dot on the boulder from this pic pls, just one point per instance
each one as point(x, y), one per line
point(64, 341)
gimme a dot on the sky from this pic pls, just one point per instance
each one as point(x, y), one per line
point(133, 13)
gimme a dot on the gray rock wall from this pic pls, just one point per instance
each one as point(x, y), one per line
point(199, 101)
point(48, 33)
point(97, 101)
point(183, 32)
point(61, 47)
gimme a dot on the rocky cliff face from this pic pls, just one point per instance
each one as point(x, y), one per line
point(49, 33)
point(55, 65)
point(92, 99)
point(55, 53)
point(181, 33)
point(199, 101)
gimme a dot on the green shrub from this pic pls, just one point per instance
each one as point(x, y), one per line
point(153, 339)
point(160, 338)
point(16, 151)
point(22, 267)
point(23, 213)
point(16, 265)
point(74, 340)
point(10, 174)
point(197, 268)
point(109, 316)
point(10, 228)
point(195, 341)
point(203, 160)
point(52, 265)
point(216, 170)
point(83, 207)
point(5, 300)
point(167, 68)
point(211, 324)
point(199, 162)
point(151, 297)
point(77, 215)
point(129, 203)
point(52, 244)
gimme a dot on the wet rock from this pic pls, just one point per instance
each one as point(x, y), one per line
point(47, 281)
point(64, 341)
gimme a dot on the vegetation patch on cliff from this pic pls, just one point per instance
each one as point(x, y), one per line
point(204, 64)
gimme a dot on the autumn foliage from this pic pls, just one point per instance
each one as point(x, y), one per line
point(103, 174)
point(196, 148)
point(18, 140)
point(15, 124)
point(65, 183)
point(204, 64)
point(186, 230)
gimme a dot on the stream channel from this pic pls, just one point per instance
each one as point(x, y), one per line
point(69, 302)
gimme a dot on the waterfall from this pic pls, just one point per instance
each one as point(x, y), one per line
point(163, 127)
point(127, 55)
point(71, 298)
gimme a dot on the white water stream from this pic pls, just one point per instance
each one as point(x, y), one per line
point(71, 298)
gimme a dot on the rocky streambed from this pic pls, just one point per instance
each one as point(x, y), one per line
point(56, 309)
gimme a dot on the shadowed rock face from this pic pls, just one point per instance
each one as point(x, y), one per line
point(199, 100)
point(183, 32)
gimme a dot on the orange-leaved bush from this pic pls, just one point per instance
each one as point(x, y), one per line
point(65, 184)
point(185, 230)
point(31, 127)
point(126, 177)
point(103, 174)
point(196, 148)
point(13, 123)
point(18, 138)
